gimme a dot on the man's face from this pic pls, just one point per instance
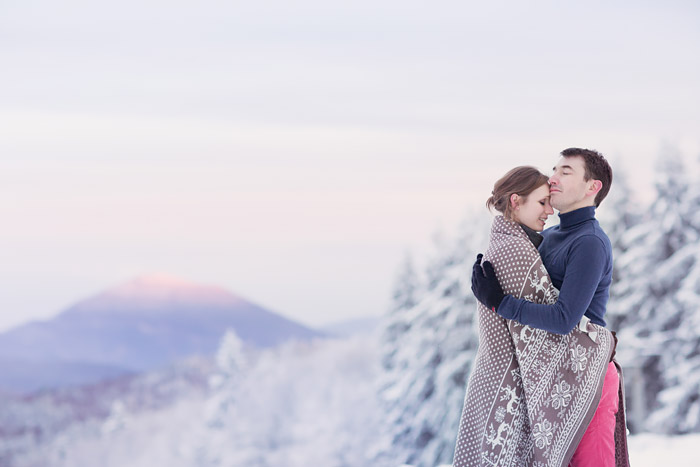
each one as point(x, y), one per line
point(568, 189)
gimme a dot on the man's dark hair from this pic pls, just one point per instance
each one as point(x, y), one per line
point(597, 168)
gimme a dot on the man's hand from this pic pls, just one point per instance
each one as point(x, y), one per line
point(485, 284)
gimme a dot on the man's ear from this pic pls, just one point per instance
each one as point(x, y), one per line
point(594, 187)
point(514, 200)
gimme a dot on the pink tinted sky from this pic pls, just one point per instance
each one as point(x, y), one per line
point(293, 151)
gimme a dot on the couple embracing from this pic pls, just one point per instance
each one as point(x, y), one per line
point(544, 389)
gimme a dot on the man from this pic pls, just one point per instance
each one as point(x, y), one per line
point(578, 256)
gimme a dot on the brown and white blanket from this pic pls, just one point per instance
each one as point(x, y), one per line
point(531, 393)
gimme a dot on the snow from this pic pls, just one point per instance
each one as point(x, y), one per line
point(650, 450)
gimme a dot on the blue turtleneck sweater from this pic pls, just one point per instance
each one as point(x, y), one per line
point(578, 257)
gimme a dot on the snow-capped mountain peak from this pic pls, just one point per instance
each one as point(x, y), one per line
point(168, 288)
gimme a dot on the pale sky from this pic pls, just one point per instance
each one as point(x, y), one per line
point(292, 151)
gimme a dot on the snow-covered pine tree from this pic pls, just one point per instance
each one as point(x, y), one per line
point(618, 214)
point(679, 401)
point(406, 286)
point(395, 323)
point(656, 261)
point(221, 408)
point(427, 350)
point(231, 363)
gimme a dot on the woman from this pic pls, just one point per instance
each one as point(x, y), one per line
point(531, 394)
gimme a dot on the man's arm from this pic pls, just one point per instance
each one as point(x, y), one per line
point(584, 269)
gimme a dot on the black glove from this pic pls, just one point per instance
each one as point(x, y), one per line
point(485, 284)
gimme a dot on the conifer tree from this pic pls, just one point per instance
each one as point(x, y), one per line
point(431, 354)
point(657, 260)
point(679, 402)
point(617, 215)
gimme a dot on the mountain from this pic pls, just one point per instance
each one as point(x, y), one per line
point(19, 375)
point(141, 325)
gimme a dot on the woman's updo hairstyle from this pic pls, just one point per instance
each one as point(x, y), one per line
point(522, 181)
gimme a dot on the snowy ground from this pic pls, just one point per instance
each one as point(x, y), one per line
point(648, 450)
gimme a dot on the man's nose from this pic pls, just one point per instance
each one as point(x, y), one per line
point(553, 180)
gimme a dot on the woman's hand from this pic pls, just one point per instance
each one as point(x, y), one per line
point(485, 284)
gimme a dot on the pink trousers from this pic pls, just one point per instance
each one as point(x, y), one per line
point(597, 447)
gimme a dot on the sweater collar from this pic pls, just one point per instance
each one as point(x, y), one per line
point(534, 237)
point(507, 226)
point(577, 216)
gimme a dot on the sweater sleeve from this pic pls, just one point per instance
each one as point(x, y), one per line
point(585, 267)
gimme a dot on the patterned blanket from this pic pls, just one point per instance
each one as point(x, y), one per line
point(531, 393)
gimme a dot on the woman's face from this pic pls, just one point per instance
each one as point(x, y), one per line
point(534, 210)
